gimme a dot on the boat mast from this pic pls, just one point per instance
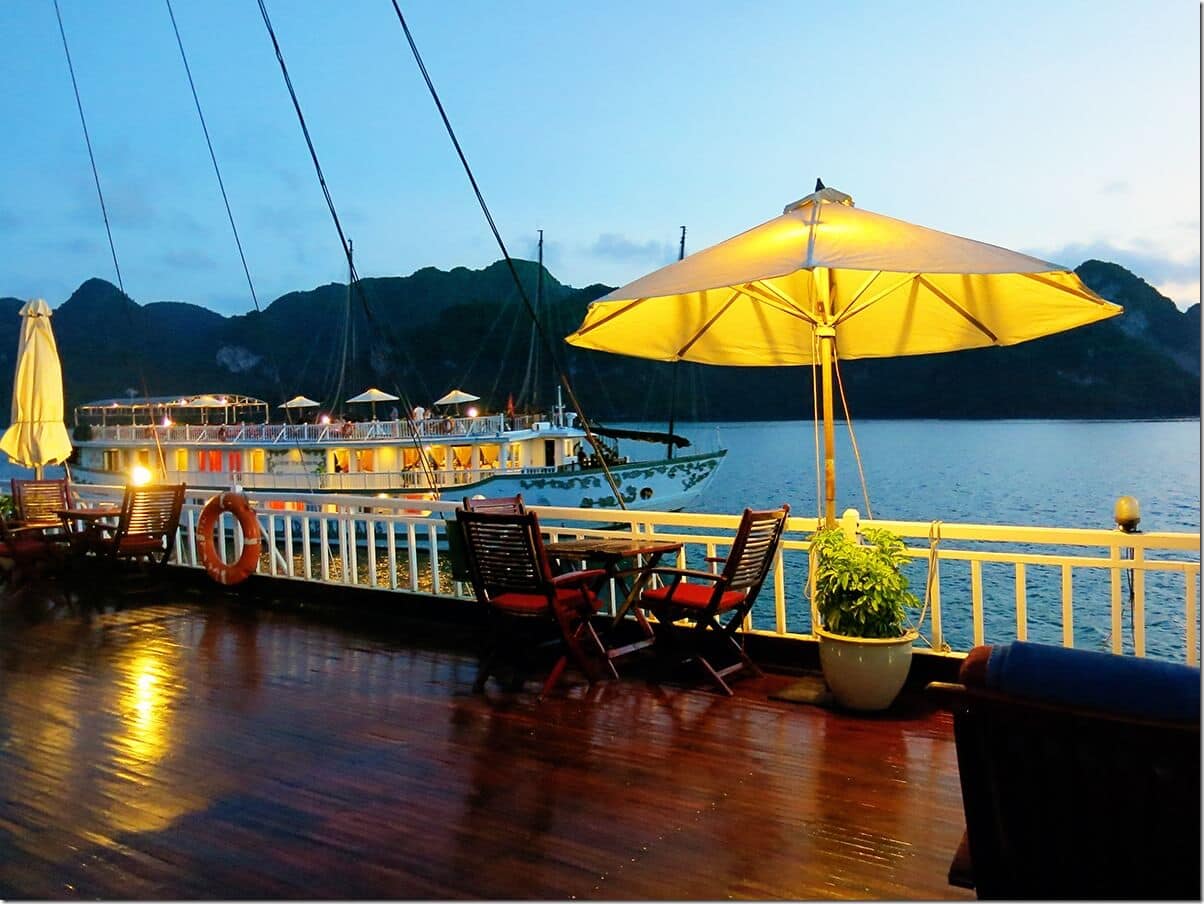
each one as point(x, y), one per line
point(538, 314)
point(681, 253)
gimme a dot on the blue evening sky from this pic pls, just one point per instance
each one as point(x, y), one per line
point(1068, 130)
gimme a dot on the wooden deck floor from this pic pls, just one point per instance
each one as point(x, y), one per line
point(186, 749)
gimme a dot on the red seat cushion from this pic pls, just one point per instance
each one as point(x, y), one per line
point(23, 546)
point(531, 603)
point(140, 546)
point(692, 596)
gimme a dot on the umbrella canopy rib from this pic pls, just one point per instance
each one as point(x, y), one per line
point(1077, 293)
point(974, 321)
point(852, 309)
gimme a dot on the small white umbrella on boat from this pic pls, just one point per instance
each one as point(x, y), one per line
point(299, 402)
point(373, 395)
point(458, 397)
point(205, 402)
point(37, 436)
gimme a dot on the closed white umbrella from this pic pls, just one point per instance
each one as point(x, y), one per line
point(37, 436)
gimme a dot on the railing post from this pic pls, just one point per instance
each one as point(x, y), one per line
point(1021, 602)
point(1189, 581)
point(1117, 627)
point(976, 600)
point(1139, 600)
point(1067, 607)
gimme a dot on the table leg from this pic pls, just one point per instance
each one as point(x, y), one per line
point(629, 603)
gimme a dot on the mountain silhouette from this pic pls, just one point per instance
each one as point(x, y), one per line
point(420, 335)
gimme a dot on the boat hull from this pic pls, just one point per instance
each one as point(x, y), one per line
point(662, 485)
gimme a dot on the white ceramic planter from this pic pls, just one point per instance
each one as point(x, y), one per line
point(865, 673)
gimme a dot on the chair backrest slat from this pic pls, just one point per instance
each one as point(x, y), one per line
point(38, 501)
point(149, 511)
point(505, 553)
point(499, 505)
point(753, 549)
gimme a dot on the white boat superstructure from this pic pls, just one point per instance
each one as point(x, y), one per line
point(220, 440)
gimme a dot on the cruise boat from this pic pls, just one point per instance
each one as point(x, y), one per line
point(220, 440)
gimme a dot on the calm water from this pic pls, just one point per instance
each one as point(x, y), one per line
point(1051, 473)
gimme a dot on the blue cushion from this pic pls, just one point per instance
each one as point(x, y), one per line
point(1123, 685)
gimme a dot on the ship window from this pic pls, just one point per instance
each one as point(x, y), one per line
point(646, 493)
point(112, 460)
point(257, 461)
point(144, 457)
point(235, 461)
point(181, 459)
point(209, 460)
point(364, 460)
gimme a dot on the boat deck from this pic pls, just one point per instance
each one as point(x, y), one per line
point(182, 746)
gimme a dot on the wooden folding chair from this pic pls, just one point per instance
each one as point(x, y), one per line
point(147, 526)
point(511, 575)
point(712, 598)
point(27, 552)
point(37, 503)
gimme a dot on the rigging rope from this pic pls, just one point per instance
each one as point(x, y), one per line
point(848, 420)
point(564, 380)
point(427, 470)
point(212, 156)
point(79, 104)
point(88, 141)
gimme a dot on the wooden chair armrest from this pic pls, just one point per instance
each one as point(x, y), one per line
point(715, 559)
point(687, 573)
point(575, 578)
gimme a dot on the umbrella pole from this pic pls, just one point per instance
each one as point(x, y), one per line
point(827, 337)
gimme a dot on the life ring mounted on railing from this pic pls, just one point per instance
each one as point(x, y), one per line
point(223, 434)
point(222, 572)
point(348, 430)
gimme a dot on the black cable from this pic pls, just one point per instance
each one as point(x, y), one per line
point(212, 156)
point(497, 235)
point(88, 141)
point(428, 471)
point(104, 212)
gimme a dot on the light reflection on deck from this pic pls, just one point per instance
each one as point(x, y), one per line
point(192, 748)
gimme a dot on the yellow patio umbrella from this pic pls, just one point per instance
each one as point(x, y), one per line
point(827, 279)
point(37, 435)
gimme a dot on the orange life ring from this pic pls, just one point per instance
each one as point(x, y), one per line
point(236, 505)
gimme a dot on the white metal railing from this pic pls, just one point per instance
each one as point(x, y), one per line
point(989, 583)
point(285, 434)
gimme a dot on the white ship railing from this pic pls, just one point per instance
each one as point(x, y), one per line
point(1135, 593)
point(289, 434)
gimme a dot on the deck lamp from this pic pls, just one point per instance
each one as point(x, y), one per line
point(1127, 514)
point(140, 475)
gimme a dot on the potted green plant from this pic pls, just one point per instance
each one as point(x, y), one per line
point(861, 597)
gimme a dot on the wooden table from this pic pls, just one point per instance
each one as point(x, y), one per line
point(610, 553)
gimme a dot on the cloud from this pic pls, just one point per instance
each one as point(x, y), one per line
point(189, 259)
point(619, 247)
point(1145, 262)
